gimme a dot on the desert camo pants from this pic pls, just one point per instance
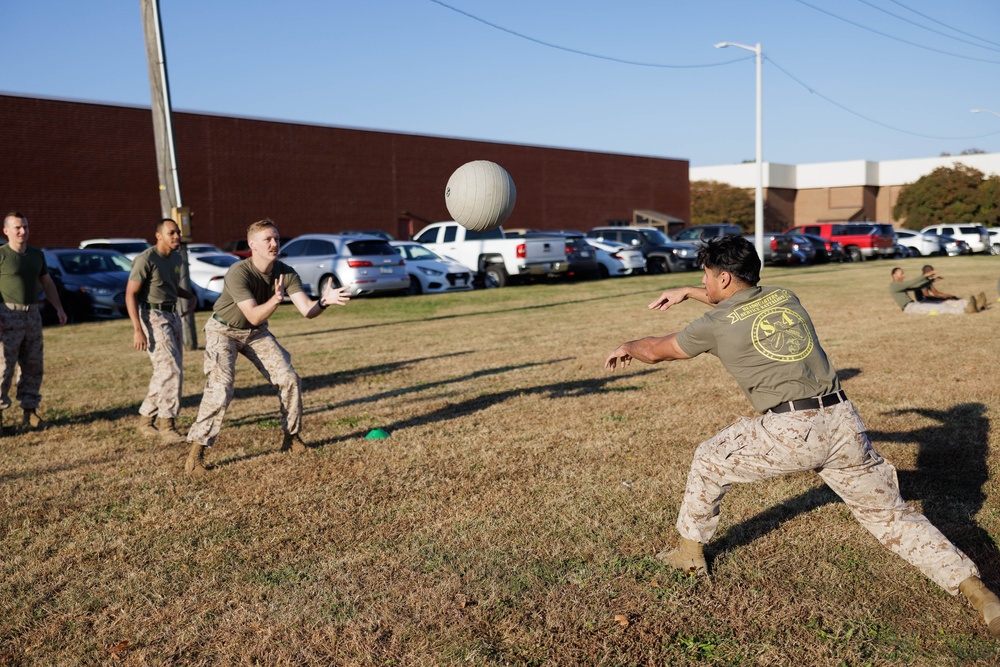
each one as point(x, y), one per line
point(222, 345)
point(163, 342)
point(21, 334)
point(831, 441)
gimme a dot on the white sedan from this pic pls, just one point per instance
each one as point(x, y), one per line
point(919, 243)
point(616, 259)
point(430, 272)
point(208, 271)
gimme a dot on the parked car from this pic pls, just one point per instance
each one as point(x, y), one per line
point(826, 250)
point(128, 247)
point(580, 256)
point(239, 247)
point(953, 247)
point(861, 240)
point(616, 259)
point(203, 249)
point(994, 239)
point(921, 245)
point(366, 265)
point(802, 245)
point(972, 233)
point(430, 272)
point(91, 282)
point(698, 234)
point(377, 233)
point(662, 255)
point(208, 272)
point(778, 250)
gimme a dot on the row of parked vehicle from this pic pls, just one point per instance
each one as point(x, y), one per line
point(446, 257)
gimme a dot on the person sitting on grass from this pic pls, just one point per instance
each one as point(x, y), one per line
point(931, 292)
point(900, 287)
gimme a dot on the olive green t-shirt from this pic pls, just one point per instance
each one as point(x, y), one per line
point(244, 281)
point(20, 275)
point(765, 339)
point(159, 275)
point(899, 288)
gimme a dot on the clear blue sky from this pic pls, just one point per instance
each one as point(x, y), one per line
point(421, 67)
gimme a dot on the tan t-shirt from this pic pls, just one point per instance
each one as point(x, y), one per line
point(159, 275)
point(765, 339)
point(244, 281)
point(20, 275)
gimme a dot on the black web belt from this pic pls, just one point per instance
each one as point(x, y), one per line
point(811, 403)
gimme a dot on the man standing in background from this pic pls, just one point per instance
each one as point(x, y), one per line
point(23, 274)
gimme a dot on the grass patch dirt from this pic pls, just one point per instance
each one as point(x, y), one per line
point(512, 516)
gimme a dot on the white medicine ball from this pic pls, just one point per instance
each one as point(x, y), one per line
point(480, 195)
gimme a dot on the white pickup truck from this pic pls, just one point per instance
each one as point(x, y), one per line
point(497, 260)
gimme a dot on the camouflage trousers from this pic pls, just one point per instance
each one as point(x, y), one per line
point(222, 345)
point(831, 441)
point(164, 343)
point(21, 334)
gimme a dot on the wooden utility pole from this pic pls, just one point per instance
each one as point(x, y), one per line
point(166, 157)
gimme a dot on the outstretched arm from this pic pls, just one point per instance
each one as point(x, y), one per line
point(651, 350)
point(672, 297)
point(330, 297)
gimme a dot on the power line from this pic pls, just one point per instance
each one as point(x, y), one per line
point(945, 25)
point(937, 32)
point(893, 37)
point(867, 118)
point(585, 53)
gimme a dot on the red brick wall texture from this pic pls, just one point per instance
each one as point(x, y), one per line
point(82, 170)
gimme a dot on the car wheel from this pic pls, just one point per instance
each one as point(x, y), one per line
point(327, 280)
point(496, 276)
point(657, 265)
point(855, 254)
point(415, 288)
point(602, 272)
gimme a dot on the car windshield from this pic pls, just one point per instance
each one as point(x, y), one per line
point(416, 252)
point(82, 263)
point(219, 260)
point(655, 236)
point(370, 247)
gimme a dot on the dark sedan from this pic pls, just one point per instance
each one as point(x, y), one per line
point(91, 283)
point(826, 249)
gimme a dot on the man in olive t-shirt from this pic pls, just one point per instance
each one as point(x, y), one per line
point(23, 273)
point(252, 291)
point(766, 340)
point(151, 300)
point(900, 287)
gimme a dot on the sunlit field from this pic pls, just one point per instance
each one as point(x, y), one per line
point(512, 516)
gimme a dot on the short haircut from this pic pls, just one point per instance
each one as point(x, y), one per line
point(733, 254)
point(260, 225)
point(894, 270)
point(927, 267)
point(161, 223)
point(15, 214)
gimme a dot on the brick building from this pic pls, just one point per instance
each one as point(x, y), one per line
point(81, 170)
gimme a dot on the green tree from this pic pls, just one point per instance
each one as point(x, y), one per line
point(712, 201)
point(959, 194)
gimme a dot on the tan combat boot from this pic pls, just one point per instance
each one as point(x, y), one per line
point(687, 557)
point(981, 301)
point(195, 464)
point(293, 443)
point(984, 601)
point(971, 306)
point(168, 432)
point(31, 420)
point(146, 427)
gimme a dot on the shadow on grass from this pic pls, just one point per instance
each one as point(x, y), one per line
point(950, 473)
point(556, 390)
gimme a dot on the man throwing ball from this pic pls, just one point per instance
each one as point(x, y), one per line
point(252, 291)
point(765, 339)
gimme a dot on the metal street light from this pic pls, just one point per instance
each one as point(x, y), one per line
point(985, 111)
point(758, 214)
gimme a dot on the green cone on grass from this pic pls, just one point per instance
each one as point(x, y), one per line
point(377, 433)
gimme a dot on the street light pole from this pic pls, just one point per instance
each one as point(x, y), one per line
point(758, 210)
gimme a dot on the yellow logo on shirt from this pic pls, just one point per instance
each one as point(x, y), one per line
point(781, 334)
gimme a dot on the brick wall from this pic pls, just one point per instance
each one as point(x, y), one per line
point(81, 170)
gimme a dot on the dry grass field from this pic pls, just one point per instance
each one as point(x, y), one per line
point(512, 516)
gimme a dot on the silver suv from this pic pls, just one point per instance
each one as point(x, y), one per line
point(972, 233)
point(365, 264)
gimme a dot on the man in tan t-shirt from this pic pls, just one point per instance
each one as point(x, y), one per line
point(766, 340)
point(253, 290)
point(151, 299)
